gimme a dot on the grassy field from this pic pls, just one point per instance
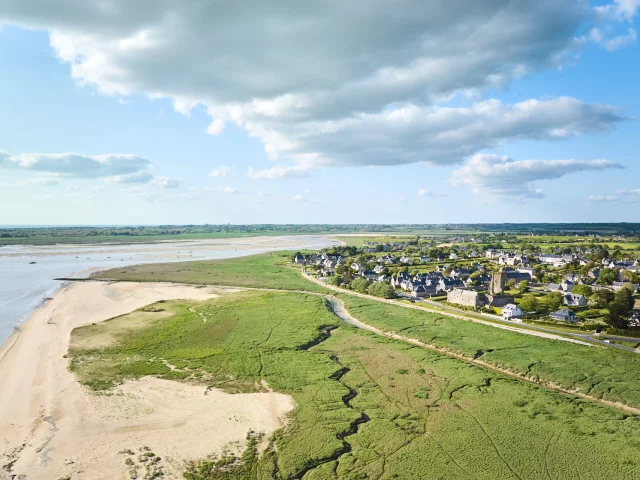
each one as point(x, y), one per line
point(367, 407)
point(601, 372)
point(269, 270)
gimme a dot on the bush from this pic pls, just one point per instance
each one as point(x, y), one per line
point(383, 290)
point(360, 285)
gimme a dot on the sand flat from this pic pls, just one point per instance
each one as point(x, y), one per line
point(51, 426)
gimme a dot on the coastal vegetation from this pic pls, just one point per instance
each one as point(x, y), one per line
point(366, 406)
point(553, 233)
point(606, 373)
point(269, 270)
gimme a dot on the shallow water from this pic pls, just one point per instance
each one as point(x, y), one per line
point(25, 285)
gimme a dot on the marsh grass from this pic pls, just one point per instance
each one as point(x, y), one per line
point(268, 270)
point(601, 372)
point(429, 415)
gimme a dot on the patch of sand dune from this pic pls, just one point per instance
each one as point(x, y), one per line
point(51, 426)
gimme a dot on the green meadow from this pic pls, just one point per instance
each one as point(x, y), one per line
point(269, 270)
point(366, 406)
point(605, 373)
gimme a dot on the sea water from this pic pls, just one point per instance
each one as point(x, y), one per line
point(24, 285)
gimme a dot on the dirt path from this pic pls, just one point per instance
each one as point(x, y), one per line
point(340, 310)
point(524, 331)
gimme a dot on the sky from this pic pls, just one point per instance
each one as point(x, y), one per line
point(324, 111)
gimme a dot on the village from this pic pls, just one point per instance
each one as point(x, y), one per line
point(584, 286)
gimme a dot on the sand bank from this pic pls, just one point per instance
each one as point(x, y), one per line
point(51, 426)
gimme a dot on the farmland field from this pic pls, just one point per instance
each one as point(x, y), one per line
point(367, 407)
point(270, 270)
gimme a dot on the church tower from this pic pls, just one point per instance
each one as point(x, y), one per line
point(498, 281)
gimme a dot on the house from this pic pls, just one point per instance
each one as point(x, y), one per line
point(467, 298)
point(482, 280)
point(594, 273)
point(453, 256)
point(511, 310)
point(634, 320)
point(555, 260)
point(619, 285)
point(553, 287)
point(406, 260)
point(460, 272)
point(573, 278)
point(299, 259)
point(328, 263)
point(517, 276)
point(574, 300)
point(425, 259)
point(378, 269)
point(447, 284)
point(382, 279)
point(396, 280)
point(528, 270)
point(369, 275)
point(564, 316)
point(566, 286)
point(357, 267)
point(425, 290)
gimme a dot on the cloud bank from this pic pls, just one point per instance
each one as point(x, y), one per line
point(339, 83)
point(504, 176)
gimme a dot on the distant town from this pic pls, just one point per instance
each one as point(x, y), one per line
point(588, 282)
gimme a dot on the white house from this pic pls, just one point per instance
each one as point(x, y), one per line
point(511, 310)
point(574, 300)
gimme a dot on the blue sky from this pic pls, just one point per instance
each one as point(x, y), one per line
point(392, 118)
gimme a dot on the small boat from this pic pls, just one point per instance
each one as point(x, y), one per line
point(32, 263)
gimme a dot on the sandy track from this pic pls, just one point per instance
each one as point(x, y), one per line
point(50, 426)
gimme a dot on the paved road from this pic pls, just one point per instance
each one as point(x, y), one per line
point(581, 336)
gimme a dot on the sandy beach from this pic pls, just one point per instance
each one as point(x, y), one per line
point(51, 427)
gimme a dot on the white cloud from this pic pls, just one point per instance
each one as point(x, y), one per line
point(615, 42)
point(634, 193)
point(167, 182)
point(138, 177)
point(75, 165)
point(501, 175)
point(154, 197)
point(220, 172)
point(622, 10)
point(300, 198)
point(435, 135)
point(423, 192)
point(334, 83)
point(278, 172)
point(602, 199)
point(42, 181)
point(231, 190)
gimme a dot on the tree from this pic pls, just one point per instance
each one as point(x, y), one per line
point(523, 286)
point(602, 298)
point(360, 285)
point(608, 276)
point(335, 280)
point(553, 301)
point(620, 308)
point(383, 290)
point(630, 276)
point(529, 303)
point(584, 290)
point(511, 283)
